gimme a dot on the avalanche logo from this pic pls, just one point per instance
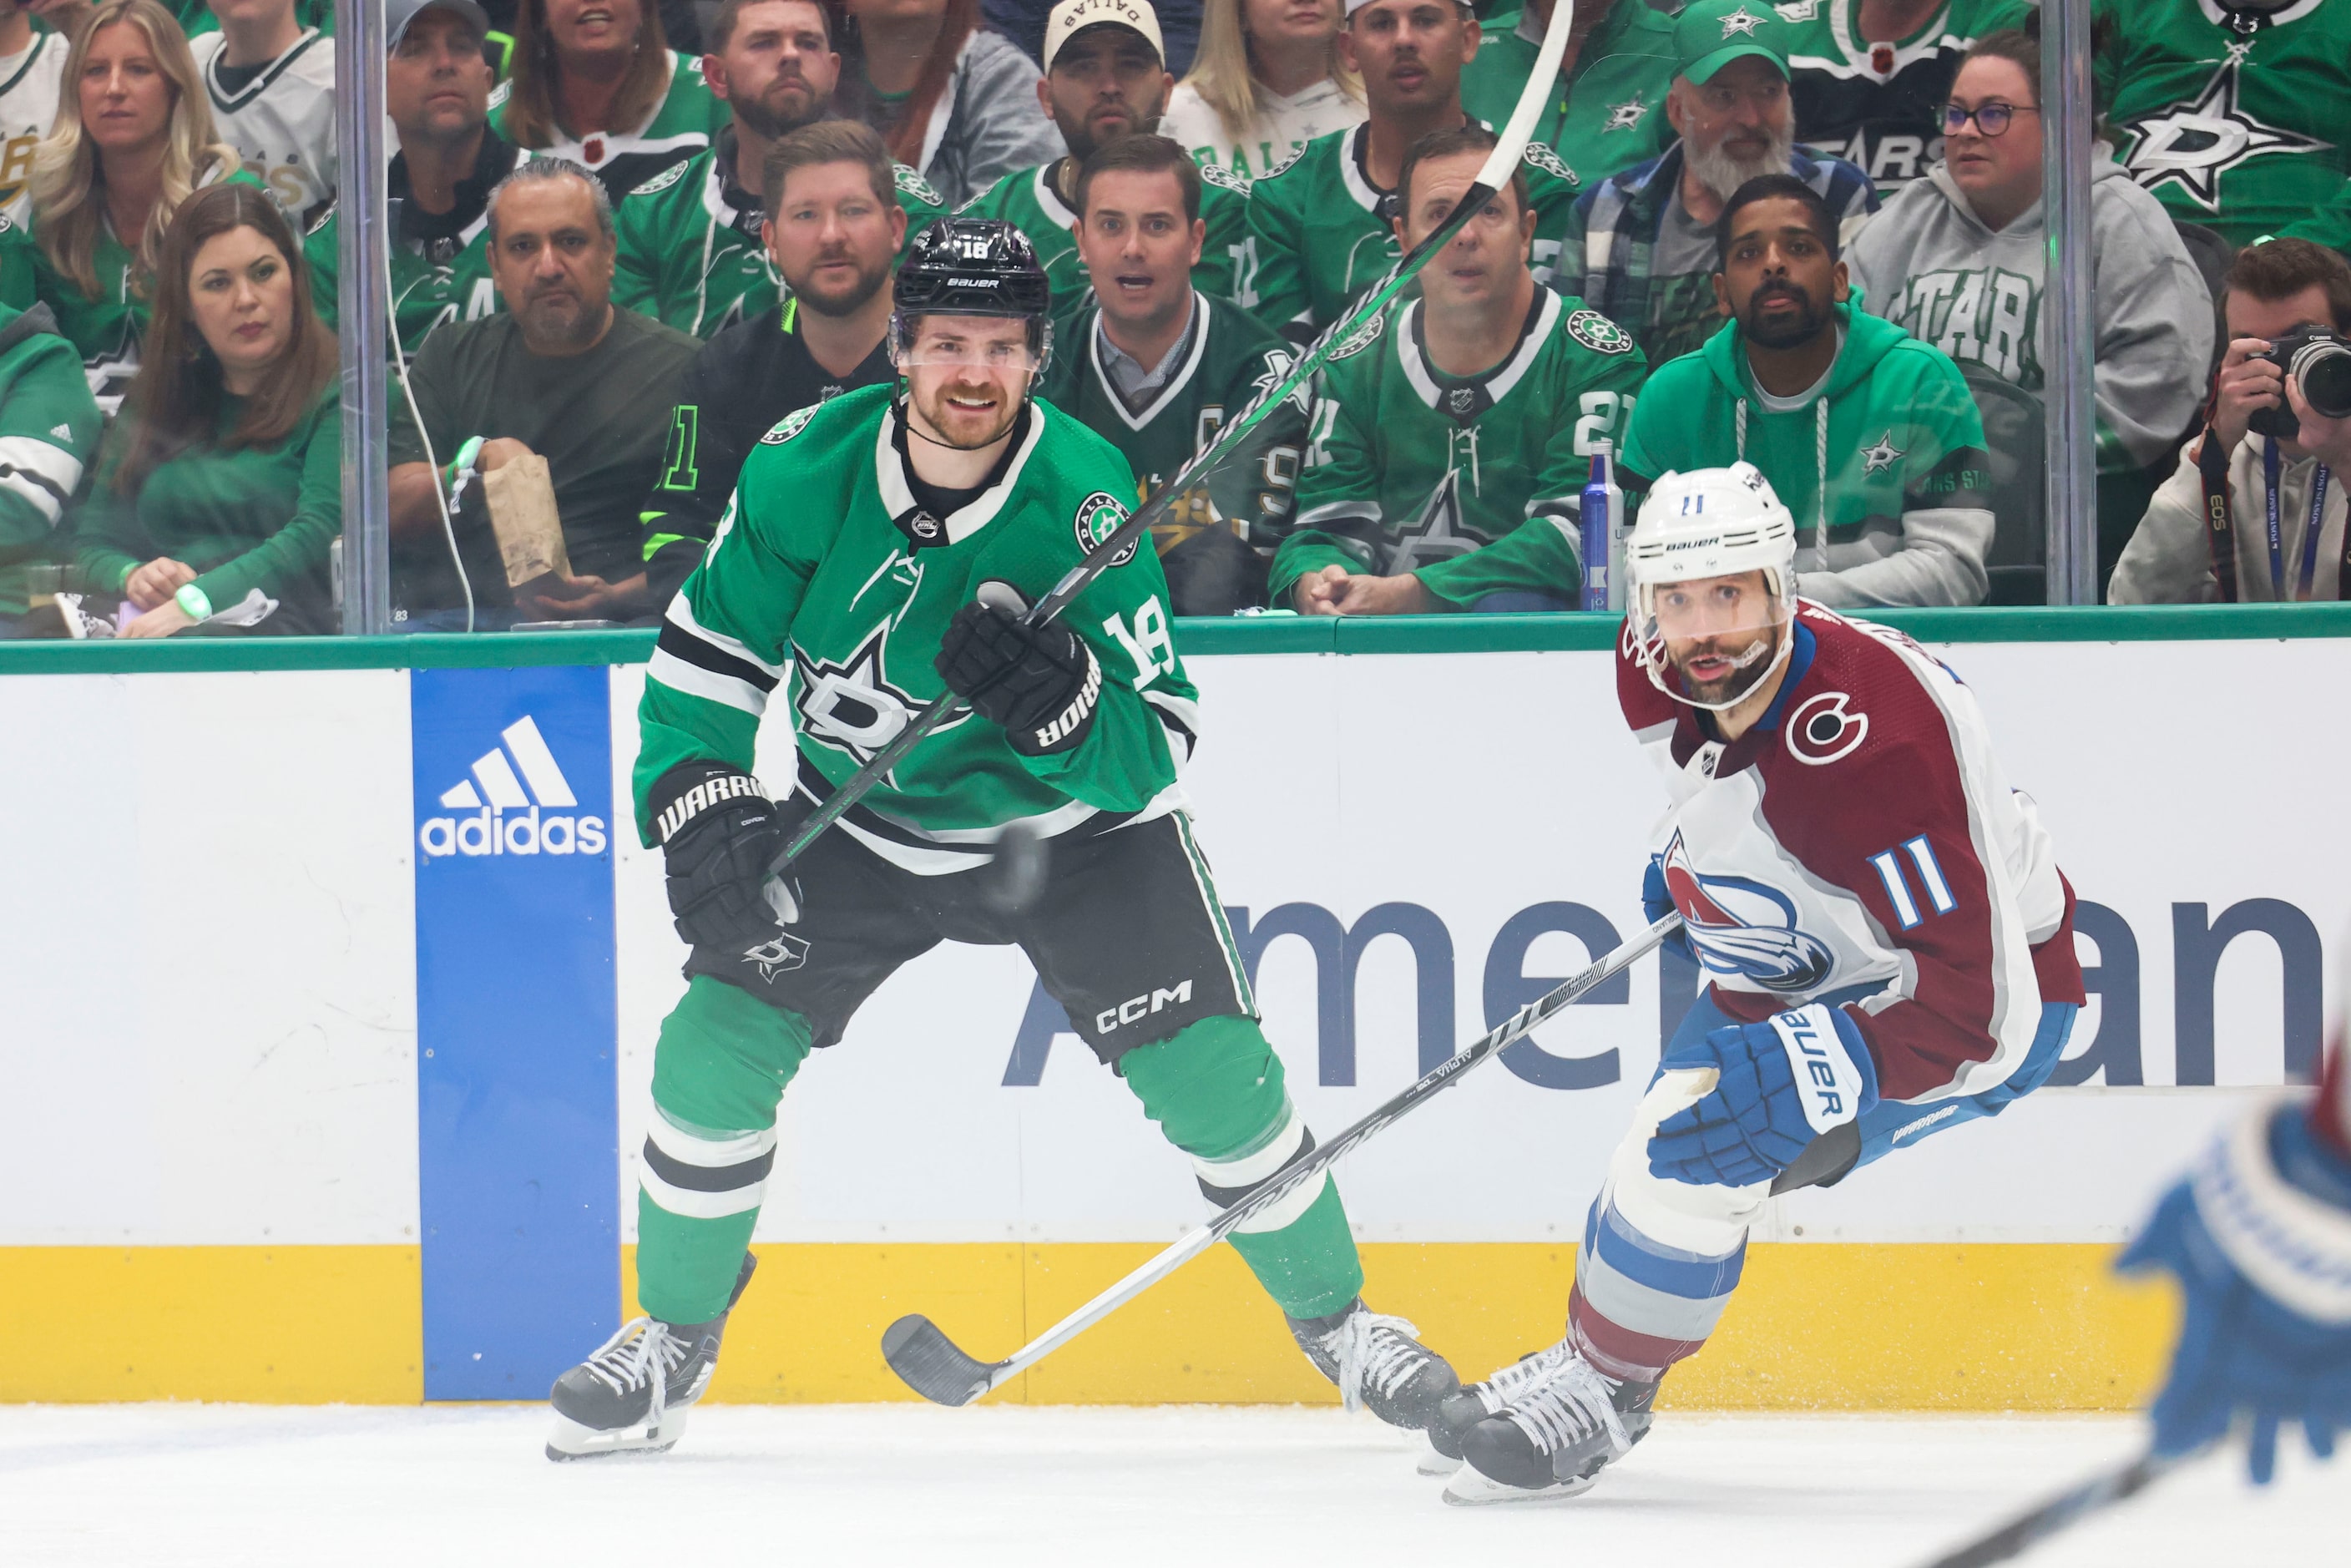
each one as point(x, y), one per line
point(1744, 928)
point(518, 806)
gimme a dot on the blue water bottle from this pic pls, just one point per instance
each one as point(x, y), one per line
point(1597, 514)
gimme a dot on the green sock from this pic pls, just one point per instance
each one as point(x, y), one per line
point(723, 1062)
point(1216, 1090)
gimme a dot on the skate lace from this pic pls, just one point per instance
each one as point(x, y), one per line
point(1573, 1403)
point(1374, 1351)
point(1504, 1386)
point(643, 1351)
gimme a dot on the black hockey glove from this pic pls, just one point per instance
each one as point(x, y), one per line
point(719, 833)
point(1042, 684)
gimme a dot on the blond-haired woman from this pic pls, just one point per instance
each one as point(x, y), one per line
point(596, 81)
point(1266, 81)
point(134, 140)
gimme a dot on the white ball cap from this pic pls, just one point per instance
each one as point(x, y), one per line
point(1071, 17)
point(1710, 522)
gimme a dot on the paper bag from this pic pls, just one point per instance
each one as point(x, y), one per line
point(522, 514)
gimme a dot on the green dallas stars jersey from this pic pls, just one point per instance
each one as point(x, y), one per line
point(690, 253)
point(2234, 121)
point(106, 328)
point(1227, 361)
point(1469, 482)
point(1031, 201)
point(1317, 239)
point(1610, 114)
point(827, 563)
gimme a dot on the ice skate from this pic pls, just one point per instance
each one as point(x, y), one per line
point(1554, 1437)
point(1458, 1412)
point(1377, 1363)
point(632, 1396)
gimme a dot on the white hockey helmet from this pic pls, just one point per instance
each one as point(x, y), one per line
point(1710, 523)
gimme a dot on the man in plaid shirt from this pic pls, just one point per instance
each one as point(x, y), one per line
point(1640, 246)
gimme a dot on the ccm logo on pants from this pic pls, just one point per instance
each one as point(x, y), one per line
point(1135, 1008)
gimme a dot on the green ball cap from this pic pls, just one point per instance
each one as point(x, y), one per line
point(1710, 34)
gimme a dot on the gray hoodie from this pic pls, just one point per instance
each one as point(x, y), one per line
point(1928, 263)
point(987, 122)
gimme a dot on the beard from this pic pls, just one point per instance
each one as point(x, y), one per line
point(560, 321)
point(788, 104)
point(1723, 173)
point(1737, 683)
point(961, 429)
point(847, 300)
point(1807, 324)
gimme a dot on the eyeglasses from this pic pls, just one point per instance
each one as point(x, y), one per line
point(1992, 119)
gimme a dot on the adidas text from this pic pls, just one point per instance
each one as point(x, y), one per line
point(516, 802)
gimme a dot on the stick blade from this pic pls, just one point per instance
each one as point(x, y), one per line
point(930, 1364)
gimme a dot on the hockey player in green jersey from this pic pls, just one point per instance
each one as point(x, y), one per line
point(1104, 79)
point(1320, 234)
point(1608, 113)
point(1155, 366)
point(1869, 435)
point(876, 546)
point(2232, 116)
point(690, 252)
point(436, 90)
point(1453, 436)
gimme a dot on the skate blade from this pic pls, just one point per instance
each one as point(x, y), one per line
point(1430, 1461)
point(1469, 1488)
point(570, 1440)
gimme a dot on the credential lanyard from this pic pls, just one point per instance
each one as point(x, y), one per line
point(2270, 464)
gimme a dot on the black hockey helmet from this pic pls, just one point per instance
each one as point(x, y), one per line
point(973, 267)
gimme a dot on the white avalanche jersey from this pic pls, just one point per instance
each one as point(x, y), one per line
point(1860, 844)
point(282, 122)
point(29, 106)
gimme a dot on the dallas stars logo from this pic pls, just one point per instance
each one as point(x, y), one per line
point(1277, 366)
point(1099, 517)
point(1741, 23)
point(2193, 147)
point(1625, 116)
point(1882, 457)
point(852, 705)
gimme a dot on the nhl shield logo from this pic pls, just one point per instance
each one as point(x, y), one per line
point(1461, 400)
point(1100, 516)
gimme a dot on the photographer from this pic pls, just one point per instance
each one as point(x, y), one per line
point(2254, 513)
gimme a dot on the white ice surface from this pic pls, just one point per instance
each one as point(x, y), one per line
point(852, 1485)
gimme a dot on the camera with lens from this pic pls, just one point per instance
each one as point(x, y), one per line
point(2321, 362)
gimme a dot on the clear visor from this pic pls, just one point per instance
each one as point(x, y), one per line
point(991, 345)
point(1725, 610)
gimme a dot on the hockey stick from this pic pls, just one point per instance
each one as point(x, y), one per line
point(2061, 1512)
point(1492, 176)
point(932, 1366)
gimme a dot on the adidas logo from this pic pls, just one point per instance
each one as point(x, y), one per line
point(509, 804)
point(62, 432)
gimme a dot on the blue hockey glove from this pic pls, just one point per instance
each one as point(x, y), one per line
point(1784, 1082)
point(1657, 904)
point(2259, 1234)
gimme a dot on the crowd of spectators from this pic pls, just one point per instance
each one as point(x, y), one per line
point(629, 236)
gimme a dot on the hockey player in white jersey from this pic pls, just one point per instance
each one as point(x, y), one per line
point(1887, 942)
